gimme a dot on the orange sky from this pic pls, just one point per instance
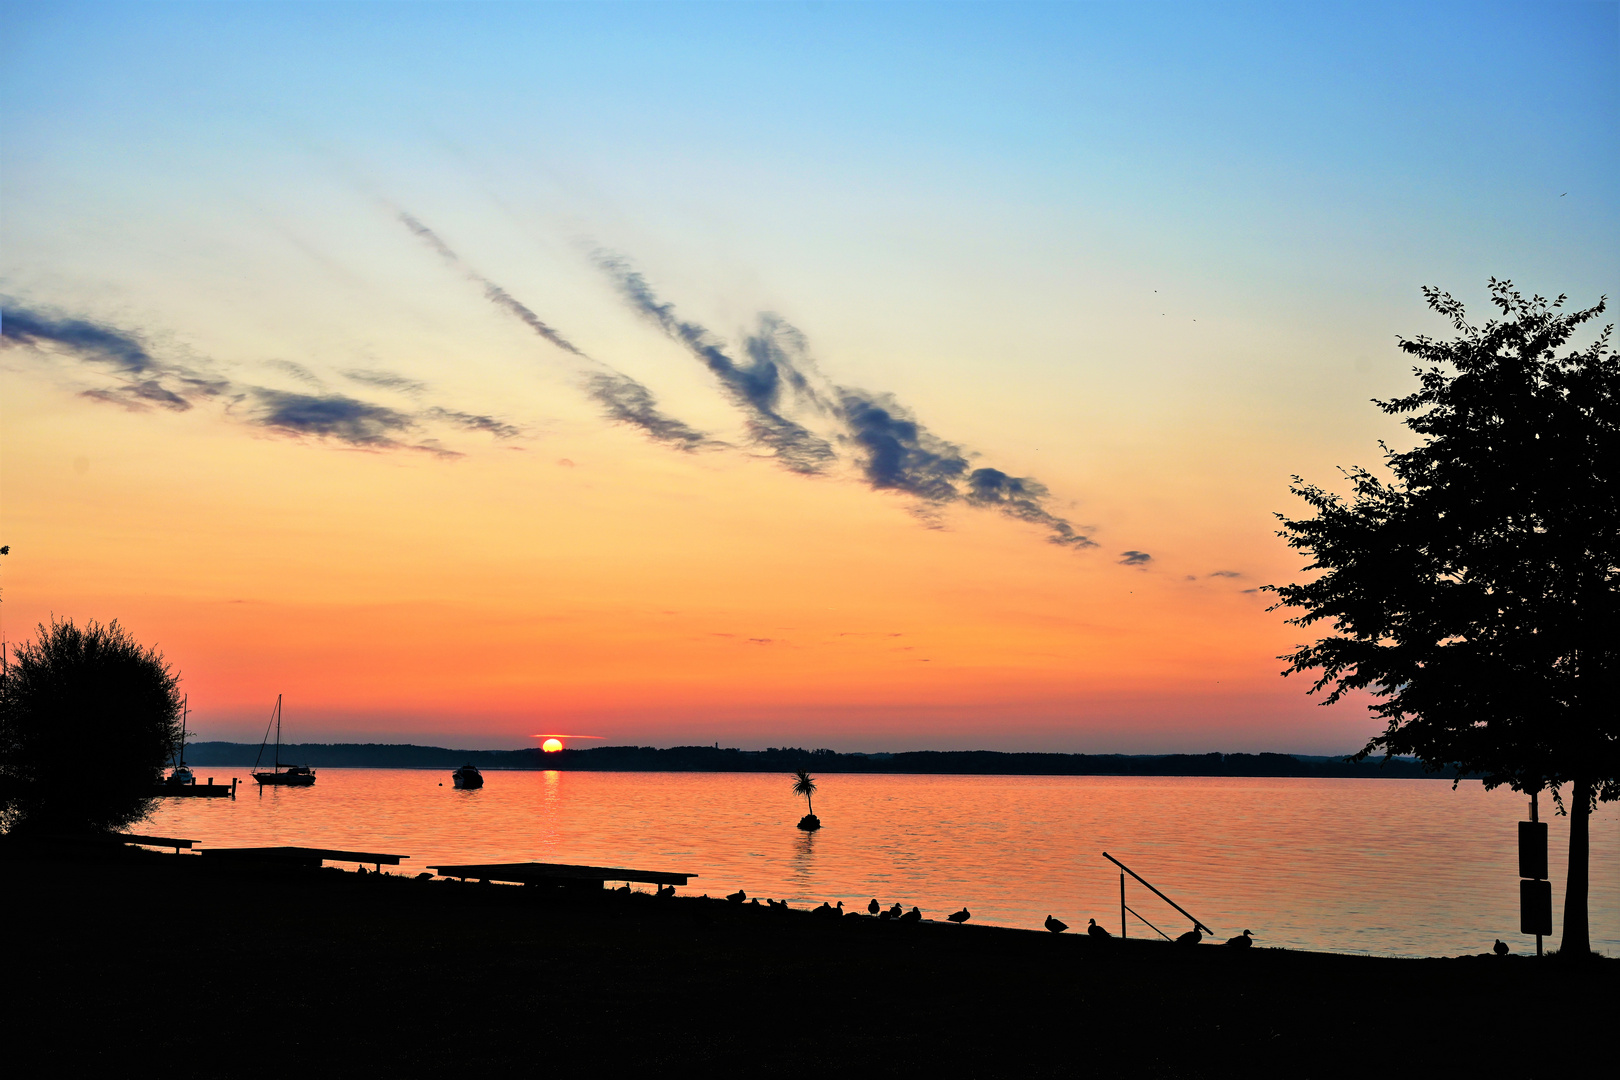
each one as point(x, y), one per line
point(1131, 266)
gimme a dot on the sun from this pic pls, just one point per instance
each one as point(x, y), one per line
point(551, 746)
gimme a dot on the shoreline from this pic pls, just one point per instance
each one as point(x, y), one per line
point(177, 955)
point(701, 759)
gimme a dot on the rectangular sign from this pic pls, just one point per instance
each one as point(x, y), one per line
point(1533, 849)
point(1535, 907)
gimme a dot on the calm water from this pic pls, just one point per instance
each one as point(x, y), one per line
point(1395, 867)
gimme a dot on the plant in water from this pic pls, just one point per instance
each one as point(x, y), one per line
point(805, 784)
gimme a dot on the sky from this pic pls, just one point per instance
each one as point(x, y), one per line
point(873, 376)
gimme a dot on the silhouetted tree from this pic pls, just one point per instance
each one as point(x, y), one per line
point(804, 784)
point(88, 717)
point(1475, 595)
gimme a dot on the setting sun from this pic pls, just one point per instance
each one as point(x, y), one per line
point(551, 746)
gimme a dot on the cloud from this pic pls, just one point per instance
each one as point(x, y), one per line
point(145, 379)
point(1224, 573)
point(755, 387)
point(1135, 558)
point(386, 380)
point(474, 422)
point(889, 447)
point(622, 398)
point(899, 454)
point(628, 401)
point(89, 341)
point(334, 416)
point(142, 379)
point(1021, 498)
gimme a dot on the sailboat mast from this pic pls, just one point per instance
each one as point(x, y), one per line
point(185, 709)
point(278, 733)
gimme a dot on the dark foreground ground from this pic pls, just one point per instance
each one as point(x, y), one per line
point(147, 962)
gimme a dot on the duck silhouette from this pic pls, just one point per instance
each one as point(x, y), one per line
point(1055, 925)
point(960, 917)
point(623, 888)
point(1191, 937)
point(873, 907)
point(914, 915)
point(896, 911)
point(1242, 941)
point(1500, 948)
point(737, 897)
point(824, 909)
point(1096, 931)
point(665, 892)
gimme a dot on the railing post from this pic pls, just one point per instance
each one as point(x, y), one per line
point(1122, 924)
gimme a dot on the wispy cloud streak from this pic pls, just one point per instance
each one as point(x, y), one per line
point(754, 387)
point(889, 447)
point(622, 398)
point(143, 378)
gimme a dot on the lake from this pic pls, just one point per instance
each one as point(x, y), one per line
point(1387, 867)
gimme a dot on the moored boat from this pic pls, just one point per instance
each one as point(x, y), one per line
point(467, 777)
point(295, 775)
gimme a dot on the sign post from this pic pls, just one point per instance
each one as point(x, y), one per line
point(1535, 891)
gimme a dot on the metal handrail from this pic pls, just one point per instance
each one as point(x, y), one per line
point(1196, 924)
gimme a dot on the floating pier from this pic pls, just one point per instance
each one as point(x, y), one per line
point(564, 874)
point(303, 856)
point(209, 790)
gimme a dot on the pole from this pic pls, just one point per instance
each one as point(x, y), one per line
point(1534, 817)
point(1122, 909)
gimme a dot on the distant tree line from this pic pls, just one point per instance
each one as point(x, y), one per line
point(713, 759)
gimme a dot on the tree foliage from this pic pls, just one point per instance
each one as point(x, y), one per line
point(88, 718)
point(805, 784)
point(1475, 595)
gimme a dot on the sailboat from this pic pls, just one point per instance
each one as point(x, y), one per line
point(180, 776)
point(296, 775)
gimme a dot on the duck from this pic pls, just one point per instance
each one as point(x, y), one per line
point(1096, 931)
point(1242, 941)
point(824, 909)
point(1057, 926)
point(872, 908)
point(896, 911)
point(665, 892)
point(960, 917)
point(1500, 948)
point(914, 915)
point(623, 888)
point(737, 897)
point(1191, 937)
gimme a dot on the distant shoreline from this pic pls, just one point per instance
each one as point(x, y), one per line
point(715, 759)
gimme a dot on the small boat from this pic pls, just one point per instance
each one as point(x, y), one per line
point(467, 777)
point(181, 783)
point(296, 775)
point(180, 775)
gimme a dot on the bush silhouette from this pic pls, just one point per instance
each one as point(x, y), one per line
point(88, 718)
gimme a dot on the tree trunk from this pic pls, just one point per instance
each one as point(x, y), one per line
point(810, 806)
point(1577, 943)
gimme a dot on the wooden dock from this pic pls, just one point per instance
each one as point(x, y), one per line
point(563, 874)
point(209, 790)
point(303, 856)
